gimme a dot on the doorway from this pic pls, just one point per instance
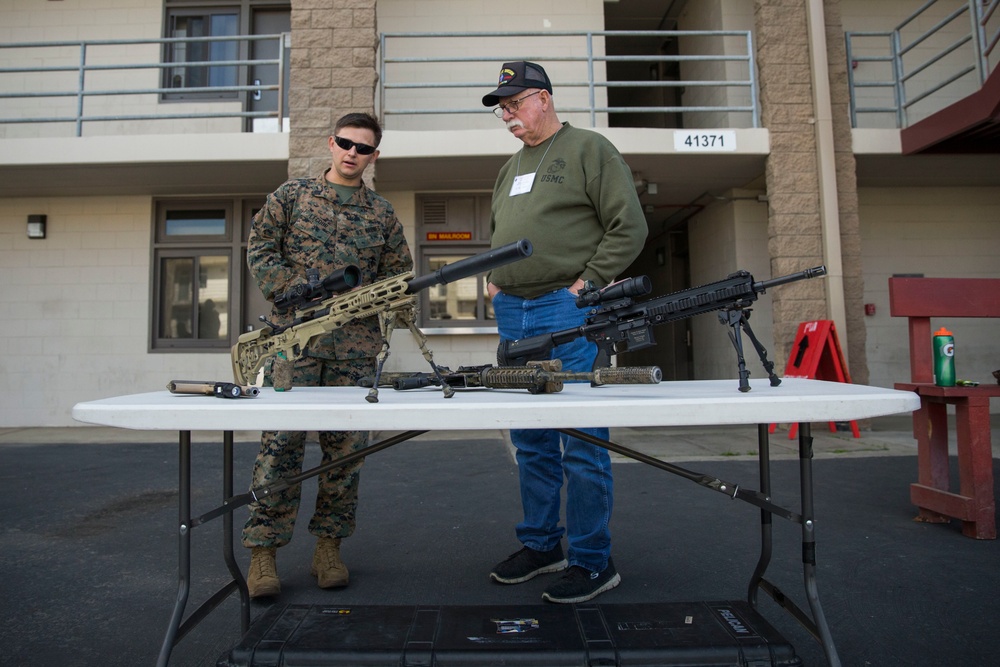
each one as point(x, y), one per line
point(269, 22)
point(665, 260)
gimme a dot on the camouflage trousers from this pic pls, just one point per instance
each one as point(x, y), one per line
point(272, 519)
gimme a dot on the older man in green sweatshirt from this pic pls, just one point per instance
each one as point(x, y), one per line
point(571, 194)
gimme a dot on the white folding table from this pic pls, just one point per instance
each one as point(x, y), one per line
point(689, 403)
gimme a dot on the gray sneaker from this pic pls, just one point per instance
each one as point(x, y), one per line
point(527, 564)
point(580, 584)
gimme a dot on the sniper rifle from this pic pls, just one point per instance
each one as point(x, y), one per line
point(617, 324)
point(320, 307)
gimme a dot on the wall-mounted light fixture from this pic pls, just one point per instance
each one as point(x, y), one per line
point(36, 226)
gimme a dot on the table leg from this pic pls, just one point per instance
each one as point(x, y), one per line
point(766, 518)
point(809, 544)
point(817, 625)
point(184, 547)
point(227, 532)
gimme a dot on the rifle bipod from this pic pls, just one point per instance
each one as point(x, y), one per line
point(737, 319)
point(387, 323)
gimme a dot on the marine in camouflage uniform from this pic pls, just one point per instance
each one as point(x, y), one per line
point(316, 223)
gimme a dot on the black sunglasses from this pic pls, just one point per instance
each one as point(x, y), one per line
point(347, 144)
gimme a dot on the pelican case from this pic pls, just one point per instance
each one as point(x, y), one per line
point(586, 635)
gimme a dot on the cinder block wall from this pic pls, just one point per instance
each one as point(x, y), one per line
point(333, 72)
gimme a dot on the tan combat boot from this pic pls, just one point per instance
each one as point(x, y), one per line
point(262, 580)
point(327, 567)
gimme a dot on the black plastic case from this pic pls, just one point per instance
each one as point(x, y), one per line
point(725, 634)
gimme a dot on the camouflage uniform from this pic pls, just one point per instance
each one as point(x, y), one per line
point(302, 226)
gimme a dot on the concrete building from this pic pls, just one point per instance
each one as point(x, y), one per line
point(137, 138)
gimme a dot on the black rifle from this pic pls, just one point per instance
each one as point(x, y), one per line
point(538, 377)
point(618, 324)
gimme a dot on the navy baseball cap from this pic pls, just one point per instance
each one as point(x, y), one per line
point(515, 77)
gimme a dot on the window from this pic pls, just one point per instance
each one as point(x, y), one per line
point(202, 292)
point(450, 228)
point(208, 29)
point(189, 72)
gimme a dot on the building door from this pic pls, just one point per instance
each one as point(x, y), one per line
point(268, 22)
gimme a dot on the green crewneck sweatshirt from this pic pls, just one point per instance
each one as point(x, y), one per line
point(581, 214)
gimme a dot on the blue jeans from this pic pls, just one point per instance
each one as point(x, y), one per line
point(544, 456)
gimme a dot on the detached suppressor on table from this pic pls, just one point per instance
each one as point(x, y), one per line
point(209, 388)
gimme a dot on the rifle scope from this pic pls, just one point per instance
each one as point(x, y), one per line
point(638, 286)
point(339, 281)
point(470, 266)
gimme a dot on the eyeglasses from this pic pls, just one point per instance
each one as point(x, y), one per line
point(512, 106)
point(347, 144)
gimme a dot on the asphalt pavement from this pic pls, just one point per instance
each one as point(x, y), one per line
point(90, 542)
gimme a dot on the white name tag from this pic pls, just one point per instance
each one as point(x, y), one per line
point(522, 184)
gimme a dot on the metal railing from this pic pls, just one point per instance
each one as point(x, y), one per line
point(917, 66)
point(89, 82)
point(46, 67)
point(437, 69)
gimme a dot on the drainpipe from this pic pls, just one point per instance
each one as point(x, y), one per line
point(826, 159)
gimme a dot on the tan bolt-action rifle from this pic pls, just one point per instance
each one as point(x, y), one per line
point(320, 308)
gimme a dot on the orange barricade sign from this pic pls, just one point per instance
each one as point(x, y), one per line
point(816, 355)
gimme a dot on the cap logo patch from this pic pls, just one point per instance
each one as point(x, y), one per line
point(506, 75)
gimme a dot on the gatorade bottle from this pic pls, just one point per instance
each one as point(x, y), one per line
point(944, 358)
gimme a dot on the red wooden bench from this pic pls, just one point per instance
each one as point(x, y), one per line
point(920, 299)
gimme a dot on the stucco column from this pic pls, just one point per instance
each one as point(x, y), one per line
point(809, 182)
point(854, 339)
point(333, 72)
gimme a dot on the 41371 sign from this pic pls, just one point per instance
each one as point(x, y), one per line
point(688, 141)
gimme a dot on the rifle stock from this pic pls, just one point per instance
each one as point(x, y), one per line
point(253, 348)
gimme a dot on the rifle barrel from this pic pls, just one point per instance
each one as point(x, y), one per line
point(814, 272)
point(470, 266)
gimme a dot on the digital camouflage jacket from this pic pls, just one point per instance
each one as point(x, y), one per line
point(302, 226)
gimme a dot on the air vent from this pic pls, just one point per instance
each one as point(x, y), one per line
point(435, 212)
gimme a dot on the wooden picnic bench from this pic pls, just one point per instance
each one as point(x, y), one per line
point(920, 299)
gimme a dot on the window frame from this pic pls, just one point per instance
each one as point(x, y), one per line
point(232, 244)
point(434, 216)
point(174, 10)
point(452, 325)
point(243, 10)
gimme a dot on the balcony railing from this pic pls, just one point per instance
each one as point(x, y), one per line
point(684, 73)
point(906, 74)
point(112, 81)
point(671, 78)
